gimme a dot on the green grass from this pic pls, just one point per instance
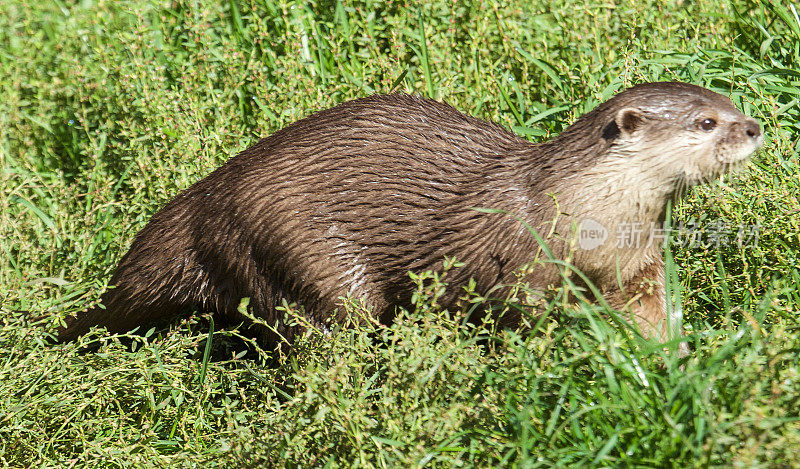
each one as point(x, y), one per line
point(108, 109)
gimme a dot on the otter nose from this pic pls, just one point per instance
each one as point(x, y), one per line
point(752, 129)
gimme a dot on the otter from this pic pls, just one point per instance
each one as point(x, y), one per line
point(347, 201)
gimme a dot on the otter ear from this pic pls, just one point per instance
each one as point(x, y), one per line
point(628, 120)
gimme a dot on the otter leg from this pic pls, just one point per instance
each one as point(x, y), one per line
point(645, 298)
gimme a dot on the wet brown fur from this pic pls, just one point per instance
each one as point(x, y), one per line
point(350, 199)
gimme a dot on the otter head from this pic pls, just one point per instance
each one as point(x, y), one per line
point(683, 132)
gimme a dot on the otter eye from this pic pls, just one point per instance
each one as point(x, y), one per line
point(708, 124)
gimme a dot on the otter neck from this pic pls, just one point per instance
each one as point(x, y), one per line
point(619, 188)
